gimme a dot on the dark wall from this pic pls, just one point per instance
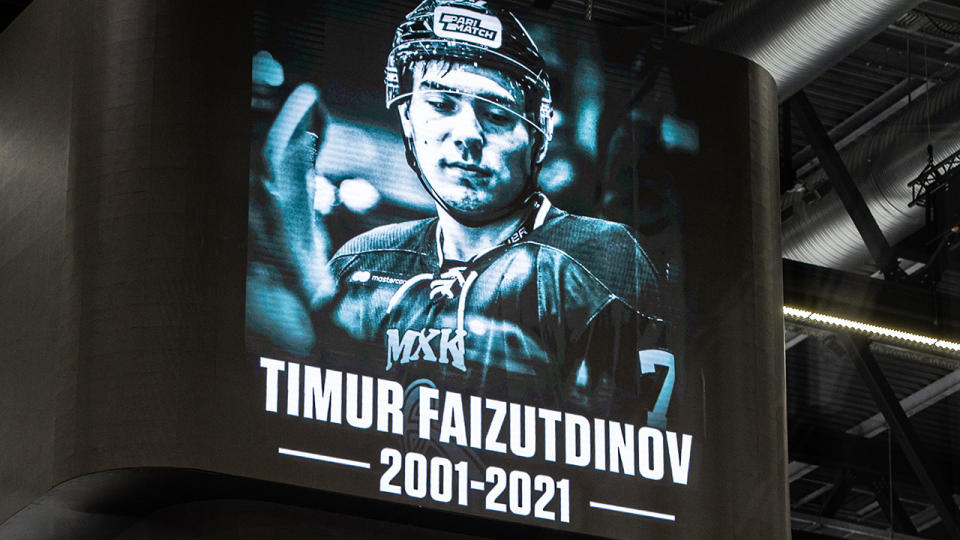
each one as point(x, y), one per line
point(157, 199)
point(738, 328)
point(36, 337)
point(233, 519)
point(123, 219)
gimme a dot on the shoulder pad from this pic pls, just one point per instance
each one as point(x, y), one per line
point(406, 236)
point(608, 250)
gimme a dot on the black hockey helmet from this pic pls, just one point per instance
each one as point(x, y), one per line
point(470, 31)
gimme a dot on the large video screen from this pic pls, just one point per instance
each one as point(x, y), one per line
point(471, 227)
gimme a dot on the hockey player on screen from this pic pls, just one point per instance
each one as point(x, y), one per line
point(501, 294)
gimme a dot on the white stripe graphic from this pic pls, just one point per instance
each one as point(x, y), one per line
point(321, 457)
point(634, 511)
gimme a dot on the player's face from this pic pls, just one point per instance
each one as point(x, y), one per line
point(470, 141)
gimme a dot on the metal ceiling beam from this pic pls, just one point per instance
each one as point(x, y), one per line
point(864, 475)
point(911, 87)
point(827, 448)
point(903, 306)
point(806, 535)
point(834, 500)
point(861, 121)
point(926, 518)
point(929, 395)
point(941, 9)
point(850, 451)
point(844, 95)
point(792, 339)
point(844, 185)
point(843, 450)
point(881, 44)
point(799, 520)
point(798, 468)
point(859, 351)
point(891, 506)
point(812, 496)
point(857, 71)
point(813, 447)
point(870, 509)
point(882, 164)
point(795, 40)
point(923, 36)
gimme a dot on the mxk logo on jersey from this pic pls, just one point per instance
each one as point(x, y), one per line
point(466, 25)
point(444, 346)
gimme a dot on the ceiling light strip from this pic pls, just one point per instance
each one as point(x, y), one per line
point(829, 320)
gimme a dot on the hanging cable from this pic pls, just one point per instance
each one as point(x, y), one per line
point(890, 478)
point(664, 19)
point(934, 283)
point(926, 92)
point(909, 73)
point(588, 13)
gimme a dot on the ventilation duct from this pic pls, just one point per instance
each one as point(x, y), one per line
point(881, 163)
point(796, 40)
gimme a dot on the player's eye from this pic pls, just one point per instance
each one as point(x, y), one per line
point(440, 102)
point(499, 116)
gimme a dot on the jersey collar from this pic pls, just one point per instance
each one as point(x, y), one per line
point(537, 212)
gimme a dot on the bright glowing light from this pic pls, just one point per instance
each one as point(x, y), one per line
point(797, 313)
point(324, 194)
point(358, 195)
point(477, 325)
point(677, 134)
point(266, 70)
point(556, 175)
point(872, 329)
point(948, 345)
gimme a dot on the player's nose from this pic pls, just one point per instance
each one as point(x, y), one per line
point(467, 133)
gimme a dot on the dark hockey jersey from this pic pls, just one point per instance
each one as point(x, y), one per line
point(554, 319)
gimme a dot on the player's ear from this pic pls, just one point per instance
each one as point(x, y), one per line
point(403, 108)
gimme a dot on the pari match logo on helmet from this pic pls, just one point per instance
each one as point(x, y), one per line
point(456, 23)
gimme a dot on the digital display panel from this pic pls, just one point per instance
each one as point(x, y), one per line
point(472, 228)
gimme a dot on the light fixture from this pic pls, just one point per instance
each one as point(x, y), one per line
point(796, 314)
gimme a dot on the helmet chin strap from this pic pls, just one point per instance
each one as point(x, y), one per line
point(473, 220)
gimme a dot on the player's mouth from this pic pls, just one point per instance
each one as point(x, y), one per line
point(471, 170)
